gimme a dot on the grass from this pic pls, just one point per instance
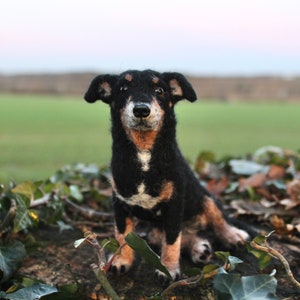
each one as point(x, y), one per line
point(40, 134)
point(237, 128)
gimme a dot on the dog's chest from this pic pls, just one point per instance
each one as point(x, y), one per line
point(142, 187)
point(144, 158)
point(141, 198)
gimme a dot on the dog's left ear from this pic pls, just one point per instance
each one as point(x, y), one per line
point(101, 88)
point(180, 87)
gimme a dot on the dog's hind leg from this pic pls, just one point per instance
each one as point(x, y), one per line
point(228, 234)
point(198, 248)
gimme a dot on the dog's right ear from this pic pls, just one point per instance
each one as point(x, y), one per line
point(101, 88)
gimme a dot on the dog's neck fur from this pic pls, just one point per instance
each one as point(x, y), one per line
point(142, 140)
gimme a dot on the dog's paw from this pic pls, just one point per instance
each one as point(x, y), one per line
point(123, 262)
point(233, 236)
point(164, 279)
point(120, 266)
point(201, 251)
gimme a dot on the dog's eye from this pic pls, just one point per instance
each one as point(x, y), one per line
point(123, 88)
point(159, 90)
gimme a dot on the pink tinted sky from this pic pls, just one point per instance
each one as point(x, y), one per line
point(198, 37)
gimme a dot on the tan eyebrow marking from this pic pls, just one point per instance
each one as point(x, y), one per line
point(128, 77)
point(155, 79)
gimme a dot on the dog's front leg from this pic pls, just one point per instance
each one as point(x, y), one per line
point(171, 246)
point(124, 225)
point(170, 257)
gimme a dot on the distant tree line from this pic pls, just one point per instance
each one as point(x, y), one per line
point(218, 88)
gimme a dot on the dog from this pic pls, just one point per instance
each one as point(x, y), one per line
point(149, 177)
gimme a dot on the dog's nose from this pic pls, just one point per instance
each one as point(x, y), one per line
point(141, 110)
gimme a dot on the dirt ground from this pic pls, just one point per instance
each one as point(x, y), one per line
point(57, 262)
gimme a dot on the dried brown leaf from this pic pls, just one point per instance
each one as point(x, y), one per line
point(279, 225)
point(276, 172)
point(217, 187)
point(293, 189)
point(243, 207)
point(263, 191)
point(254, 181)
point(289, 203)
point(267, 203)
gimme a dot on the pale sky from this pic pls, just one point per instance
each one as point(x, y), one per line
point(211, 37)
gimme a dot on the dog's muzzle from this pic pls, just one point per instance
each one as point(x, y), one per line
point(141, 110)
point(142, 116)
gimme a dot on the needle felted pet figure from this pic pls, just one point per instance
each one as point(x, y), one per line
point(149, 176)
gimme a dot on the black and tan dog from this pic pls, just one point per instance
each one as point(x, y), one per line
point(149, 176)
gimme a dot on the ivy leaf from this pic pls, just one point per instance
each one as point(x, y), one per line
point(22, 219)
point(110, 244)
point(246, 167)
point(222, 255)
point(33, 292)
point(143, 249)
point(26, 188)
point(209, 271)
point(232, 261)
point(209, 268)
point(11, 256)
point(63, 226)
point(234, 287)
point(75, 193)
point(260, 239)
point(48, 187)
point(203, 161)
point(192, 271)
point(71, 291)
point(264, 259)
point(270, 155)
point(79, 242)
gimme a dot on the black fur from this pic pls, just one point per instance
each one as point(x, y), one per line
point(166, 165)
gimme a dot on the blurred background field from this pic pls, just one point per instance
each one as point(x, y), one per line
point(41, 133)
point(245, 70)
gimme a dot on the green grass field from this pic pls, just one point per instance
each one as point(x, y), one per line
point(40, 134)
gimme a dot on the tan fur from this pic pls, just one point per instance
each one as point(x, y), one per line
point(170, 254)
point(155, 80)
point(227, 233)
point(128, 77)
point(167, 191)
point(126, 256)
point(144, 140)
point(175, 88)
point(106, 87)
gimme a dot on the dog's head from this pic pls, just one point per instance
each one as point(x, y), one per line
point(140, 98)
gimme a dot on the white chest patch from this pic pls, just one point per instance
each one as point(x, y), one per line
point(141, 199)
point(144, 158)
